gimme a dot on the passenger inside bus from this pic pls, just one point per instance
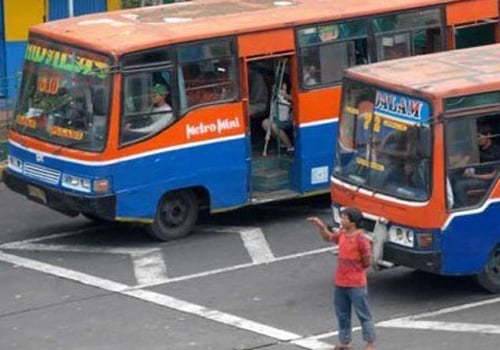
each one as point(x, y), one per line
point(159, 116)
point(399, 145)
point(310, 75)
point(258, 93)
point(476, 180)
point(281, 122)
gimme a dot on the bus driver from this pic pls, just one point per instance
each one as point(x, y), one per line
point(160, 114)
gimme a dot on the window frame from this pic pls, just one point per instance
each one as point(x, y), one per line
point(371, 38)
point(474, 115)
point(234, 76)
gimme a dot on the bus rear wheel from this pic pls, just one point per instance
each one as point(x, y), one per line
point(175, 217)
point(489, 278)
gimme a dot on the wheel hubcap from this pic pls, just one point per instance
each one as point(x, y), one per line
point(174, 213)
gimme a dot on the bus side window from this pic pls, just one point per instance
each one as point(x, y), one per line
point(408, 33)
point(326, 50)
point(477, 171)
point(209, 76)
point(147, 108)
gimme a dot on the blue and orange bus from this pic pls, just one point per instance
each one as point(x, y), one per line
point(149, 115)
point(421, 159)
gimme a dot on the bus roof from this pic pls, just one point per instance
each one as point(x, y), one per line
point(134, 29)
point(440, 75)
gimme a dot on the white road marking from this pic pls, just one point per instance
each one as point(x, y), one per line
point(77, 248)
point(442, 326)
point(54, 236)
point(237, 267)
point(414, 321)
point(256, 244)
point(166, 301)
point(253, 239)
point(151, 270)
point(146, 278)
point(149, 267)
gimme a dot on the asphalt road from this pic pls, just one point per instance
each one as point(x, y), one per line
point(258, 278)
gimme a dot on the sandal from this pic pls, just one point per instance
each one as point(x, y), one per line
point(342, 347)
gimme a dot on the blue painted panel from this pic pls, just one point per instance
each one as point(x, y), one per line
point(3, 62)
point(58, 9)
point(140, 183)
point(469, 239)
point(14, 65)
point(2, 22)
point(83, 7)
point(315, 145)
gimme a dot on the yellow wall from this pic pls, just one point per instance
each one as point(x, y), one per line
point(114, 5)
point(20, 15)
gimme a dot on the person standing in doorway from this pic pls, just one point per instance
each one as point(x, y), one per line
point(351, 291)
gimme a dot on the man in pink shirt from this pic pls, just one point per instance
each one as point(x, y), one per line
point(354, 258)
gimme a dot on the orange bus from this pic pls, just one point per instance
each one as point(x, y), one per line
point(149, 115)
point(421, 160)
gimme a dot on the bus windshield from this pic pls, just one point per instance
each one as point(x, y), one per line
point(384, 142)
point(64, 96)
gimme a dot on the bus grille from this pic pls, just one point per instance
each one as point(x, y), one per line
point(42, 173)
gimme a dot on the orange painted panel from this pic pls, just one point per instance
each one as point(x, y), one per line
point(204, 124)
point(471, 11)
point(266, 43)
point(319, 104)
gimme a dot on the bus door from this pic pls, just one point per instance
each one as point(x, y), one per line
point(270, 116)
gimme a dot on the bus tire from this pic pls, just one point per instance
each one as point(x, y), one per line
point(176, 216)
point(489, 277)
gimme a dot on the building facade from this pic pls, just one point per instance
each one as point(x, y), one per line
point(15, 20)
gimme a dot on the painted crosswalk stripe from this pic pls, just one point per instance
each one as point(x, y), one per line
point(442, 326)
point(167, 301)
point(149, 267)
point(253, 239)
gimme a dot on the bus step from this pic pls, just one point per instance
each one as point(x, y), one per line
point(272, 196)
point(270, 180)
point(269, 163)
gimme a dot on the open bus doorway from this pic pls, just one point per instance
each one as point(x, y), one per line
point(271, 120)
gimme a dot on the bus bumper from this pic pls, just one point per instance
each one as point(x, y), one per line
point(429, 261)
point(67, 203)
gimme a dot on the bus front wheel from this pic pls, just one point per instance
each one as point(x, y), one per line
point(176, 216)
point(489, 277)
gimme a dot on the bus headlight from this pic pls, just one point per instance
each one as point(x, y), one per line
point(15, 164)
point(76, 183)
point(402, 236)
point(101, 186)
point(336, 216)
point(424, 240)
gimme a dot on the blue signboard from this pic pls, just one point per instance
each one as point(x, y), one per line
point(402, 107)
